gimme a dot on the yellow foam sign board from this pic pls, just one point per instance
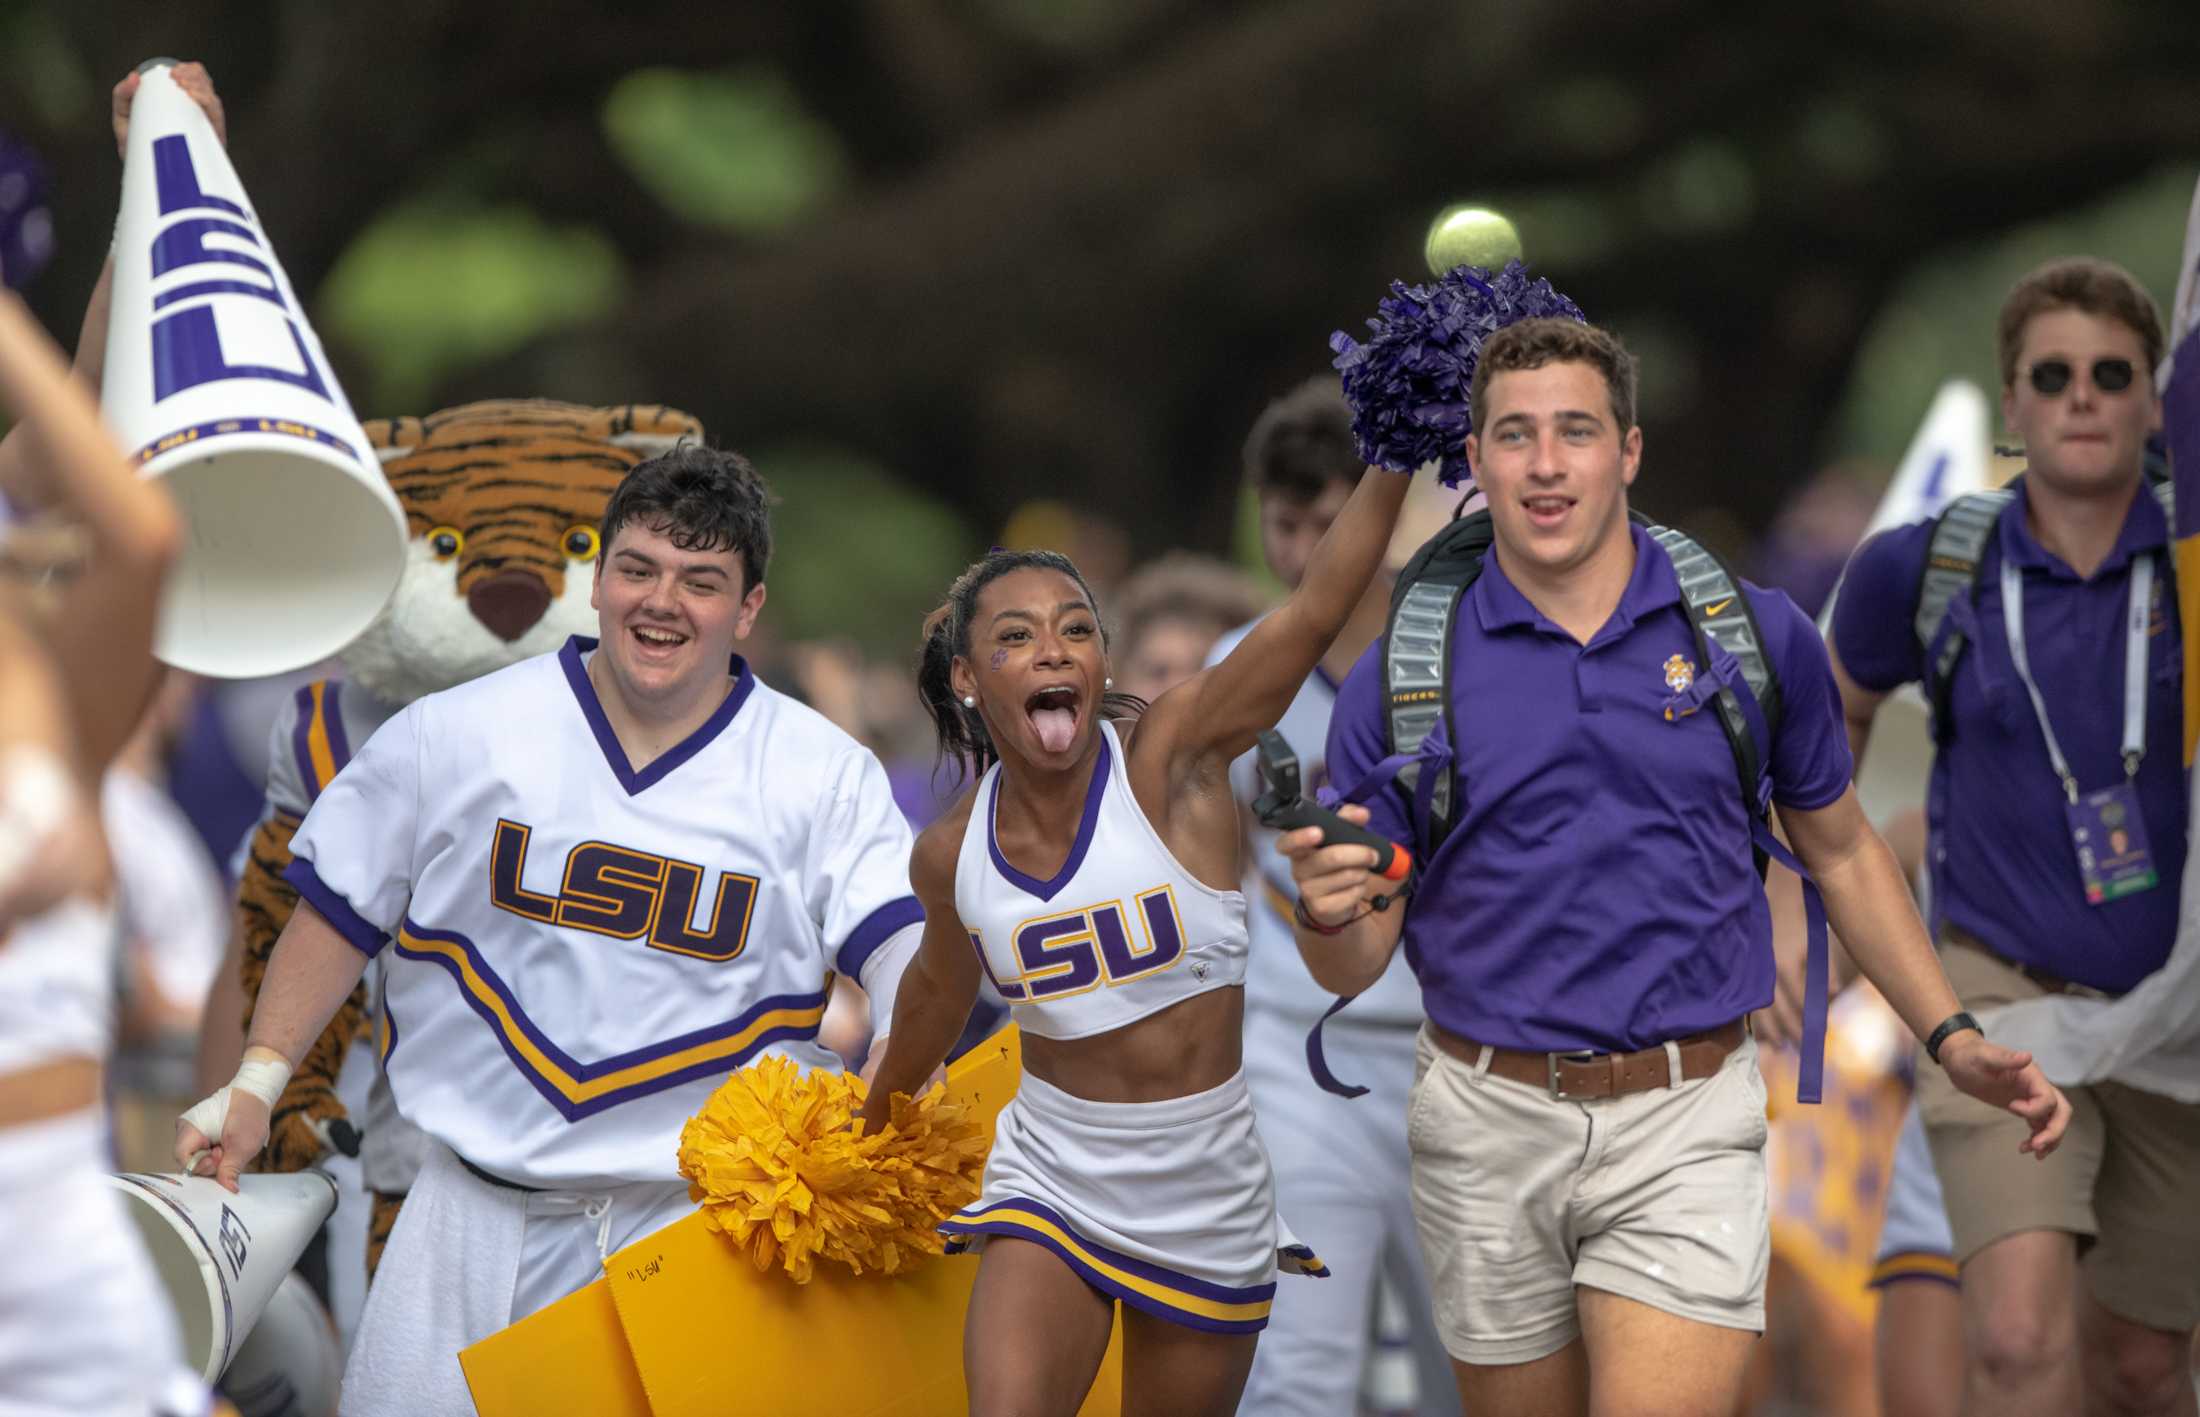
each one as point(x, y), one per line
point(569, 1357)
point(684, 1325)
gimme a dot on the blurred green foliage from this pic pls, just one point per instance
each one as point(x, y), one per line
point(38, 65)
point(435, 287)
point(1069, 26)
point(1940, 323)
point(735, 150)
point(1705, 188)
point(856, 552)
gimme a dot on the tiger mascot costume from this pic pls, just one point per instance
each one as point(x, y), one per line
point(502, 501)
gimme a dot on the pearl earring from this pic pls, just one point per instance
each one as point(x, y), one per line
point(1107, 683)
point(970, 701)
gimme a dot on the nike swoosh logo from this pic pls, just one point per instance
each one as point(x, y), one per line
point(1711, 610)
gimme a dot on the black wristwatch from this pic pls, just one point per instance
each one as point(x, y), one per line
point(1954, 1023)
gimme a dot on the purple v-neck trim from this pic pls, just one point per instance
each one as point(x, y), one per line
point(1102, 766)
point(576, 675)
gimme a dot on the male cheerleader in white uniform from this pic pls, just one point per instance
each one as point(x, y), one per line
point(83, 1327)
point(1093, 874)
point(601, 880)
point(1342, 1169)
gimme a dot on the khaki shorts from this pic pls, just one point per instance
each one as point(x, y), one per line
point(2124, 1176)
point(1656, 1196)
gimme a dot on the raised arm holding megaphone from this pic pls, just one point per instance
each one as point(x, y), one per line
point(214, 381)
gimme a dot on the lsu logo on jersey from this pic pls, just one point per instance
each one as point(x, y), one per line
point(1076, 950)
point(626, 894)
point(1679, 674)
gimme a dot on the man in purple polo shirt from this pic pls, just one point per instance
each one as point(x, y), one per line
point(2078, 735)
point(1588, 1122)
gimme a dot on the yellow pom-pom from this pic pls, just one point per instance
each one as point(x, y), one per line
point(779, 1167)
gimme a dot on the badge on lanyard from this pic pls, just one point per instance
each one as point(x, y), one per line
point(2111, 837)
point(2107, 829)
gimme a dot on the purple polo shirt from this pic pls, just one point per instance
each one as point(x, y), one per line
point(1598, 889)
point(2004, 866)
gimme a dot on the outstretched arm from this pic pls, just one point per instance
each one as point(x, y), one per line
point(1868, 902)
point(939, 986)
point(1218, 712)
point(103, 645)
point(1782, 1020)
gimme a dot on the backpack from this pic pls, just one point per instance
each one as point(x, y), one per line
point(1417, 660)
point(1737, 677)
point(1952, 559)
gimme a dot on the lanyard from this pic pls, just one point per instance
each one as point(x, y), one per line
point(2136, 612)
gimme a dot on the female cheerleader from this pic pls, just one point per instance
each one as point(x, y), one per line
point(1092, 873)
point(83, 1327)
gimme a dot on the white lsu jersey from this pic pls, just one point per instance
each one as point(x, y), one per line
point(578, 953)
point(1276, 977)
point(1120, 932)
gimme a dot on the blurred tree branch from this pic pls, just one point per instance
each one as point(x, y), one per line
point(1082, 273)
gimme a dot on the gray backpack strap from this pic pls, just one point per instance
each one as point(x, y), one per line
point(1722, 618)
point(1417, 655)
point(1717, 605)
point(1952, 560)
point(1419, 644)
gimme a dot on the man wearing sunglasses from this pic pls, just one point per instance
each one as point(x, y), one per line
point(2058, 817)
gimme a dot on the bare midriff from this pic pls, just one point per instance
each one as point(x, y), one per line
point(1190, 1046)
point(47, 1090)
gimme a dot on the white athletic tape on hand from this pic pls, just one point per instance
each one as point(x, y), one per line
point(264, 1078)
point(36, 793)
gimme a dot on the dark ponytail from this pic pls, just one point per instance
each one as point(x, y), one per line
point(964, 743)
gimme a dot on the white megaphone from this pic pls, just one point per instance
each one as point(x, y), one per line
point(1946, 459)
point(292, 1363)
point(221, 1257)
point(216, 384)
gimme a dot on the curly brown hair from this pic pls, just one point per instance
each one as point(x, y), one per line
point(1531, 344)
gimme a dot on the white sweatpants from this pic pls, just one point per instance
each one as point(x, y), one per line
point(1344, 1176)
point(468, 1259)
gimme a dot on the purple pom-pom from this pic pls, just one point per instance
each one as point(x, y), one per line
point(1408, 382)
point(26, 223)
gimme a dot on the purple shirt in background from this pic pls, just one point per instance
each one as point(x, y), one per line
point(1598, 890)
point(2004, 866)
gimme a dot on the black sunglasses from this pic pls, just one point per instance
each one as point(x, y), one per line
point(2051, 376)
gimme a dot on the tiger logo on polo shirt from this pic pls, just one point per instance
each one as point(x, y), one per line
point(1679, 674)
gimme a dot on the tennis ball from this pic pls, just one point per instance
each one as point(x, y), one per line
point(1470, 236)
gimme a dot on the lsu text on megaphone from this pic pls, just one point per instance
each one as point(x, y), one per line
point(216, 383)
point(220, 1256)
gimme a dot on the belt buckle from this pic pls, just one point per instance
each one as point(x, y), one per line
point(1552, 1060)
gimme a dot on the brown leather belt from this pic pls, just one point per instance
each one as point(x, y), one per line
point(1584, 1077)
point(48, 1090)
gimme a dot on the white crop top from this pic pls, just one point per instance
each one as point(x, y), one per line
point(1121, 931)
point(57, 986)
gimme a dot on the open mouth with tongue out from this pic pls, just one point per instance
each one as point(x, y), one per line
point(1053, 712)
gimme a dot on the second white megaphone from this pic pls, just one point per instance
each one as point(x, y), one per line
point(216, 383)
point(221, 1256)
